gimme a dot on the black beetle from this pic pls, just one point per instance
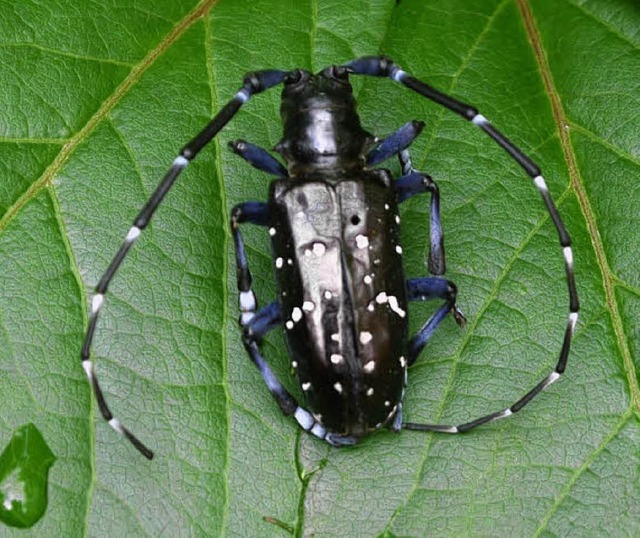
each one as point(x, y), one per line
point(334, 224)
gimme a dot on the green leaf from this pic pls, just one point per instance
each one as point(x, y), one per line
point(97, 100)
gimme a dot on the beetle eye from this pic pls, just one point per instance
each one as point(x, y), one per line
point(340, 72)
point(293, 77)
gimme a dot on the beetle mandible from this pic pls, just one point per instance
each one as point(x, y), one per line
point(334, 223)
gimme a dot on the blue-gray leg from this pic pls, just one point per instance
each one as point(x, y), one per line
point(425, 289)
point(395, 143)
point(258, 157)
point(412, 183)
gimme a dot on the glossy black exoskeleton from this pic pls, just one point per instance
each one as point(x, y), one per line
point(334, 225)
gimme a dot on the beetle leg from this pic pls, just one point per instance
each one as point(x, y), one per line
point(258, 158)
point(424, 289)
point(413, 183)
point(255, 213)
point(395, 143)
point(262, 322)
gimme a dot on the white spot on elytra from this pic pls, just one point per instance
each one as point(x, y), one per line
point(381, 298)
point(319, 249)
point(279, 263)
point(338, 387)
point(403, 361)
point(296, 314)
point(272, 232)
point(306, 386)
point(289, 324)
point(336, 358)
point(335, 337)
point(365, 337)
point(308, 306)
point(294, 364)
point(289, 261)
point(328, 294)
point(387, 403)
point(368, 279)
point(362, 241)
point(369, 367)
point(370, 391)
point(393, 304)
point(397, 219)
point(398, 249)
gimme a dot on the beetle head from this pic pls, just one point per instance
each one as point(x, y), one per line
point(321, 125)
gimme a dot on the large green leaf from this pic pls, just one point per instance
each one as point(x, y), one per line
point(96, 100)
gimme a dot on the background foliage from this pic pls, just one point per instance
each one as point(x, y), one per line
point(96, 100)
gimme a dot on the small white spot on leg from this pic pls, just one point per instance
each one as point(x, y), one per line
point(304, 418)
point(451, 429)
point(133, 234)
point(568, 256)
point(540, 183)
point(403, 361)
point(479, 120)
point(247, 301)
point(319, 430)
point(116, 425)
point(245, 318)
